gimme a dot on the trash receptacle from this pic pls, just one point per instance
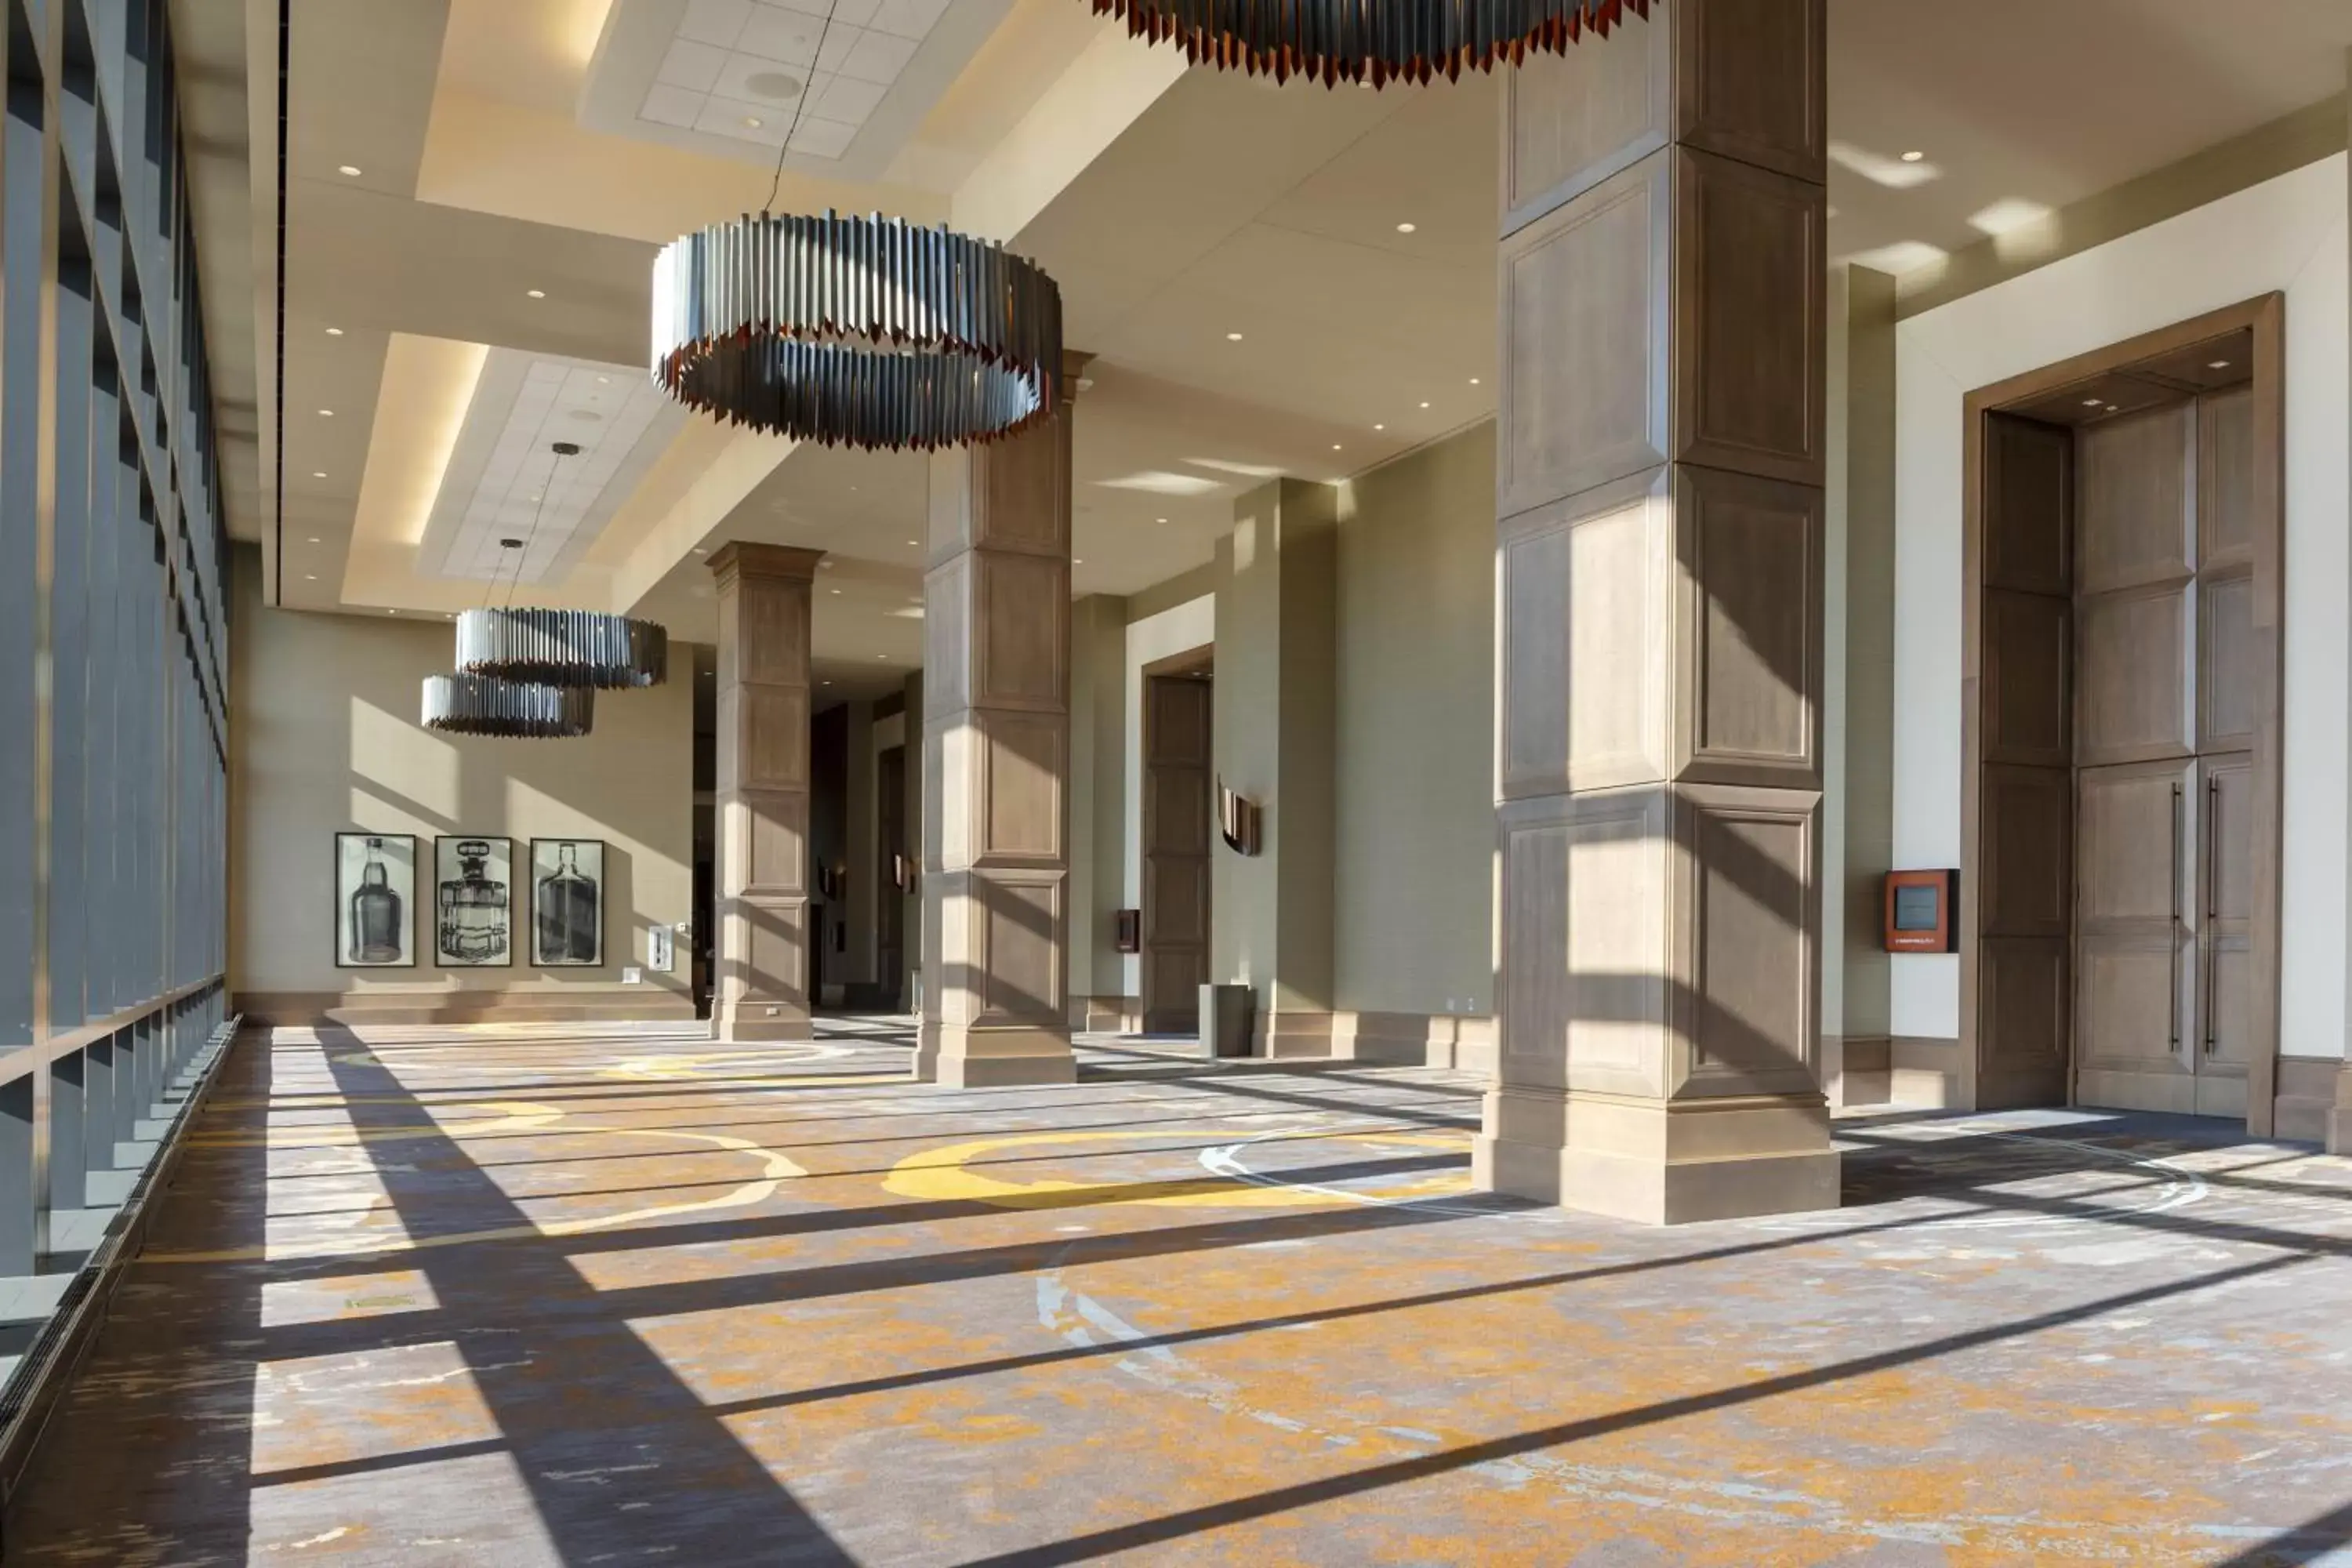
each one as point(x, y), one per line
point(1226, 1014)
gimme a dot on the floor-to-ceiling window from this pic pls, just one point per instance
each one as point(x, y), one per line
point(114, 734)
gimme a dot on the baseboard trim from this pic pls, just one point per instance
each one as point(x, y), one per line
point(288, 1009)
point(1464, 1042)
point(1106, 1015)
point(2310, 1093)
point(1923, 1070)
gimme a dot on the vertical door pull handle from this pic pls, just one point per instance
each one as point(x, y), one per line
point(2172, 930)
point(2212, 906)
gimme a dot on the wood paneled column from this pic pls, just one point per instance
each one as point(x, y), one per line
point(996, 763)
point(762, 792)
point(1659, 547)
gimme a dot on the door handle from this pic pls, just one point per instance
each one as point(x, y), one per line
point(2172, 928)
point(2213, 903)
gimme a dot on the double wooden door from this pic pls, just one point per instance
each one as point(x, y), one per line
point(2164, 798)
point(1177, 788)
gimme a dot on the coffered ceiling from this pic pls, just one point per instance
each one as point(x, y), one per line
point(1272, 280)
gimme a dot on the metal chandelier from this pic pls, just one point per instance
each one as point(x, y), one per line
point(1369, 41)
point(571, 648)
point(512, 709)
point(858, 332)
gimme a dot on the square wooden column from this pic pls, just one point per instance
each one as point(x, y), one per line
point(762, 792)
point(996, 763)
point(1659, 473)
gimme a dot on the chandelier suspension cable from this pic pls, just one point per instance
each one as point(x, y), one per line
point(561, 449)
point(776, 183)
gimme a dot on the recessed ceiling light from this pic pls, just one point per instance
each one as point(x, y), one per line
point(1379, 426)
point(2091, 402)
point(910, 541)
point(309, 577)
point(1473, 381)
point(881, 656)
point(752, 121)
point(1232, 337)
point(326, 413)
point(603, 380)
point(391, 612)
point(835, 591)
point(1425, 406)
point(2218, 364)
point(314, 539)
point(824, 683)
point(347, 171)
point(1075, 562)
point(1405, 228)
point(698, 550)
point(1913, 157)
point(1335, 446)
point(536, 293)
point(318, 473)
point(334, 331)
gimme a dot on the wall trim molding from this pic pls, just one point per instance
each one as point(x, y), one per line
point(2305, 136)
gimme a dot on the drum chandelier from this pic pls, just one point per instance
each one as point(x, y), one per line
point(512, 710)
point(1371, 41)
point(856, 332)
point(586, 648)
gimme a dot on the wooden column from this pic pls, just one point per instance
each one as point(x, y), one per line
point(1659, 548)
point(996, 761)
point(762, 792)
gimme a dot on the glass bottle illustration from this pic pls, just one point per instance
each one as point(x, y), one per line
point(567, 912)
point(375, 911)
point(473, 909)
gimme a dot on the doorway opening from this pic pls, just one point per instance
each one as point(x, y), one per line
point(1179, 807)
point(2120, 816)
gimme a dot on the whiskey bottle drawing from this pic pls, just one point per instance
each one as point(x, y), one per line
point(375, 911)
point(473, 909)
point(567, 912)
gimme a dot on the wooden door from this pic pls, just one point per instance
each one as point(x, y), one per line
point(2135, 936)
point(897, 859)
point(1177, 811)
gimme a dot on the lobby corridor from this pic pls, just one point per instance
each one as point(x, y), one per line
point(543, 1295)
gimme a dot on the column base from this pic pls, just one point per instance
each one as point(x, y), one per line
point(1659, 1161)
point(754, 1019)
point(956, 1055)
point(1295, 1036)
point(2340, 1121)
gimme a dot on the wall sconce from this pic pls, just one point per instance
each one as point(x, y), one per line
point(1237, 819)
point(1128, 931)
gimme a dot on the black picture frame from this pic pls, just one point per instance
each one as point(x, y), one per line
point(450, 939)
point(361, 929)
point(567, 922)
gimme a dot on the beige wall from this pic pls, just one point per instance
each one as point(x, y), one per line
point(323, 738)
point(1415, 732)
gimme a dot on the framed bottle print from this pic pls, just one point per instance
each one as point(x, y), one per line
point(473, 910)
point(567, 907)
point(376, 893)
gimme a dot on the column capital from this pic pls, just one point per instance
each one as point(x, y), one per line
point(743, 558)
point(1074, 366)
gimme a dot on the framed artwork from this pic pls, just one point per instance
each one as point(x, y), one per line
point(567, 908)
point(473, 909)
point(375, 894)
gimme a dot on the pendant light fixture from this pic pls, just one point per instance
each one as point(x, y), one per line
point(584, 648)
point(1374, 42)
point(510, 709)
point(855, 332)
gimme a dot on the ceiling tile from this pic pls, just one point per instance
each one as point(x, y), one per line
point(908, 18)
point(877, 58)
point(734, 117)
point(839, 97)
point(692, 66)
point(757, 81)
point(671, 106)
point(777, 34)
point(718, 22)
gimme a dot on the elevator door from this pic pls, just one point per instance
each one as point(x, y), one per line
point(2163, 797)
point(1176, 811)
